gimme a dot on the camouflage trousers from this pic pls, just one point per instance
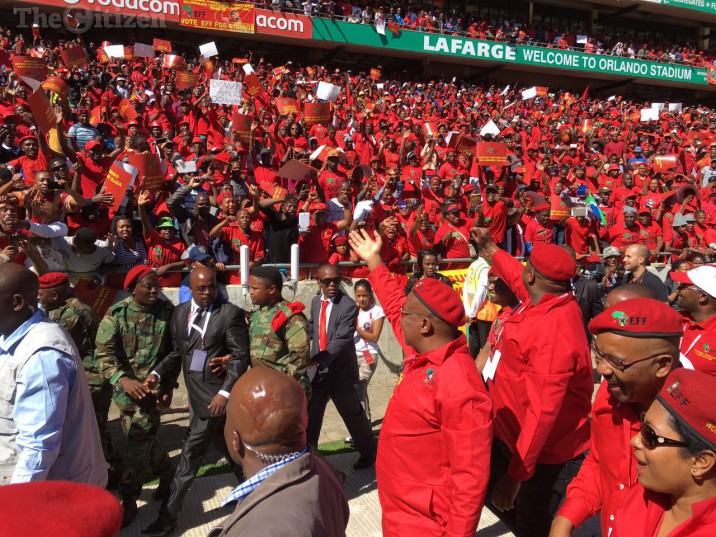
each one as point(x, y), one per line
point(101, 400)
point(145, 457)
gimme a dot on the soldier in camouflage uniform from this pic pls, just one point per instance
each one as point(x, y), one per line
point(63, 307)
point(132, 339)
point(278, 331)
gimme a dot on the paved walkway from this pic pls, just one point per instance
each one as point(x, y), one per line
point(202, 511)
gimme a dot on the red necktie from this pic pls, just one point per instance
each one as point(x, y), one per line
point(322, 334)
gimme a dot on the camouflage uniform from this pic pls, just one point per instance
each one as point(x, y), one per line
point(285, 349)
point(81, 323)
point(130, 342)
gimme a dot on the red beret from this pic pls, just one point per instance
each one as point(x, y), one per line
point(640, 318)
point(441, 300)
point(223, 157)
point(317, 206)
point(68, 510)
point(553, 262)
point(688, 396)
point(450, 208)
point(52, 279)
point(541, 207)
point(224, 195)
point(136, 274)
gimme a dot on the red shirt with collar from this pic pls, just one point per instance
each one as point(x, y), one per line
point(643, 512)
point(542, 389)
point(609, 470)
point(440, 409)
point(699, 344)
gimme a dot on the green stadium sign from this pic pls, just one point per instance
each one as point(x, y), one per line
point(475, 49)
point(697, 5)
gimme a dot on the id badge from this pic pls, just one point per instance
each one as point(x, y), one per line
point(198, 360)
point(488, 372)
point(368, 357)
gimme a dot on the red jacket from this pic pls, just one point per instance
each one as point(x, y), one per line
point(609, 471)
point(643, 512)
point(434, 449)
point(699, 344)
point(542, 390)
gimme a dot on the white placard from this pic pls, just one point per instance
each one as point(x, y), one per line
point(186, 167)
point(529, 93)
point(114, 51)
point(649, 114)
point(490, 128)
point(582, 39)
point(657, 106)
point(207, 50)
point(380, 27)
point(504, 91)
point(248, 69)
point(675, 107)
point(143, 51)
point(225, 92)
point(327, 92)
point(611, 98)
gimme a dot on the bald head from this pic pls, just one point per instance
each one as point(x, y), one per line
point(627, 292)
point(202, 283)
point(267, 411)
point(18, 296)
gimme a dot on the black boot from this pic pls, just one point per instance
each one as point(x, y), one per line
point(163, 525)
point(130, 511)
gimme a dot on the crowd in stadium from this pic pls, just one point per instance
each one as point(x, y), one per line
point(130, 173)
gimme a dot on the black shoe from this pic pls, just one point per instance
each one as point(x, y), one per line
point(164, 488)
point(129, 512)
point(163, 525)
point(364, 462)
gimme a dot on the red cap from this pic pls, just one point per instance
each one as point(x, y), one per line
point(92, 144)
point(224, 195)
point(541, 207)
point(640, 318)
point(441, 300)
point(52, 279)
point(688, 396)
point(450, 208)
point(136, 274)
point(553, 262)
point(223, 157)
point(68, 510)
point(613, 167)
point(317, 206)
point(29, 137)
point(341, 240)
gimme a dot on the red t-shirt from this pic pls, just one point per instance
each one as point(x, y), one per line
point(495, 218)
point(161, 252)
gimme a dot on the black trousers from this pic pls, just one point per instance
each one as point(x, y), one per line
point(348, 404)
point(539, 497)
point(478, 333)
point(201, 434)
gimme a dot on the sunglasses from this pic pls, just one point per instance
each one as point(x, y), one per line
point(328, 281)
point(652, 440)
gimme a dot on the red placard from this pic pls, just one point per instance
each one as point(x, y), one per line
point(173, 61)
point(98, 297)
point(95, 115)
point(162, 45)
point(286, 105)
point(664, 163)
point(430, 128)
point(116, 183)
point(150, 176)
point(241, 125)
point(491, 154)
point(317, 113)
point(185, 79)
point(375, 74)
point(56, 85)
point(35, 68)
point(74, 57)
point(253, 85)
point(126, 110)
point(565, 133)
point(587, 127)
point(42, 111)
point(128, 52)
point(283, 24)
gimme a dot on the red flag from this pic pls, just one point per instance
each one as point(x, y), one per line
point(71, 21)
point(585, 95)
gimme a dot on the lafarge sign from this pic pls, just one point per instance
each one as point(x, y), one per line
point(283, 24)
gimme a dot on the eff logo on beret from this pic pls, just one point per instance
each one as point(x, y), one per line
point(623, 319)
point(677, 394)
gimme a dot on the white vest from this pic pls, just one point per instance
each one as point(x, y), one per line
point(80, 458)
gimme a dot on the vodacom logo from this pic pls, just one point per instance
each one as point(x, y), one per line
point(133, 7)
point(283, 24)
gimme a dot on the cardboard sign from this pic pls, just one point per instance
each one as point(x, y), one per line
point(127, 111)
point(114, 51)
point(120, 178)
point(162, 45)
point(286, 105)
point(172, 61)
point(56, 85)
point(327, 92)
point(664, 163)
point(42, 111)
point(253, 85)
point(225, 91)
point(241, 125)
point(99, 297)
point(208, 50)
point(30, 69)
point(74, 57)
point(490, 128)
point(185, 79)
point(649, 114)
point(143, 51)
point(149, 171)
point(430, 128)
point(317, 113)
point(375, 74)
point(491, 154)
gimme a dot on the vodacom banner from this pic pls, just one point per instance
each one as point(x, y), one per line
point(166, 9)
point(283, 24)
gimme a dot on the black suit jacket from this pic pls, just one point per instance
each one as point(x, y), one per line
point(590, 298)
point(226, 333)
point(340, 353)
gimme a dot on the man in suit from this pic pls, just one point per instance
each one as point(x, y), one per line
point(332, 324)
point(204, 330)
point(588, 293)
point(289, 491)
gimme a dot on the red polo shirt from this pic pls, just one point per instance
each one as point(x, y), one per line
point(699, 344)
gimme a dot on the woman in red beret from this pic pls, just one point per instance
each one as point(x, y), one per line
point(676, 463)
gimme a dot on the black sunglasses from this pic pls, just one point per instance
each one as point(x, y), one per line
point(652, 440)
point(328, 281)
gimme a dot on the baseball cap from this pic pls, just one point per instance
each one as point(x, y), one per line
point(703, 277)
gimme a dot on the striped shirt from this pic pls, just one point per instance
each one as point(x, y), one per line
point(128, 259)
point(82, 134)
